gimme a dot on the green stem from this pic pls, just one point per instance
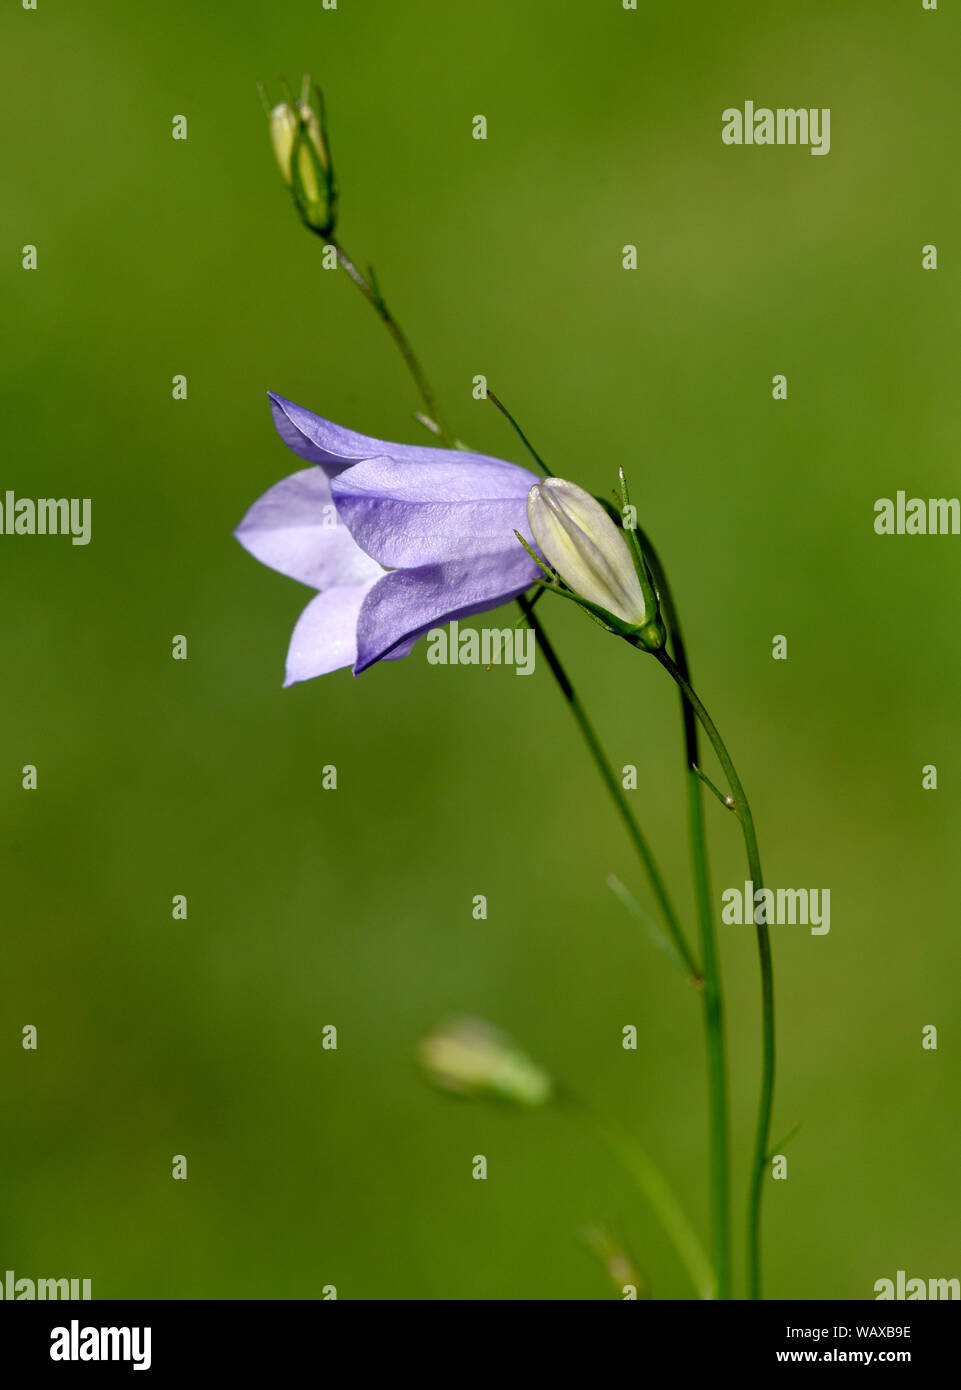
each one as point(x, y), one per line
point(762, 1138)
point(609, 777)
point(372, 294)
point(726, 801)
point(663, 1203)
point(711, 995)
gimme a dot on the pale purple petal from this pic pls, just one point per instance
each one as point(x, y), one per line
point(403, 649)
point(295, 528)
point(406, 603)
point(325, 637)
point(442, 520)
point(335, 448)
point(409, 514)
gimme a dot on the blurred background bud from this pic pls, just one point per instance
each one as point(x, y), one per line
point(471, 1057)
point(619, 1267)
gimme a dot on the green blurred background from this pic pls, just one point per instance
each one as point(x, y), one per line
point(157, 1037)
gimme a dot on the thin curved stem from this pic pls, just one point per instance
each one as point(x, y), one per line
point(762, 1138)
point(660, 1196)
point(616, 792)
point(371, 292)
point(712, 995)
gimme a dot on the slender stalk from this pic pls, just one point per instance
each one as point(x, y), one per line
point(712, 996)
point(609, 777)
point(664, 1204)
point(371, 292)
point(519, 432)
point(762, 1139)
point(726, 801)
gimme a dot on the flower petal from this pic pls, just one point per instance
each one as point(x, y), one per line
point(335, 448)
point(405, 604)
point(409, 514)
point(295, 528)
point(325, 637)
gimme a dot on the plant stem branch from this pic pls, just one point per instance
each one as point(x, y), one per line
point(743, 812)
point(726, 801)
point(664, 1204)
point(609, 777)
point(371, 292)
point(713, 1004)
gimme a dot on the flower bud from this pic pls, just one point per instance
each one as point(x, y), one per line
point(588, 551)
point(297, 127)
point(473, 1058)
point(618, 1263)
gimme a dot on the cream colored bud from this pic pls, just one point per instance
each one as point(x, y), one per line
point(473, 1058)
point(589, 552)
point(284, 120)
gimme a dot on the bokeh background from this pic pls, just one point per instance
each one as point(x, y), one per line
point(309, 907)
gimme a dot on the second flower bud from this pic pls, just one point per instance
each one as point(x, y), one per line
point(595, 559)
